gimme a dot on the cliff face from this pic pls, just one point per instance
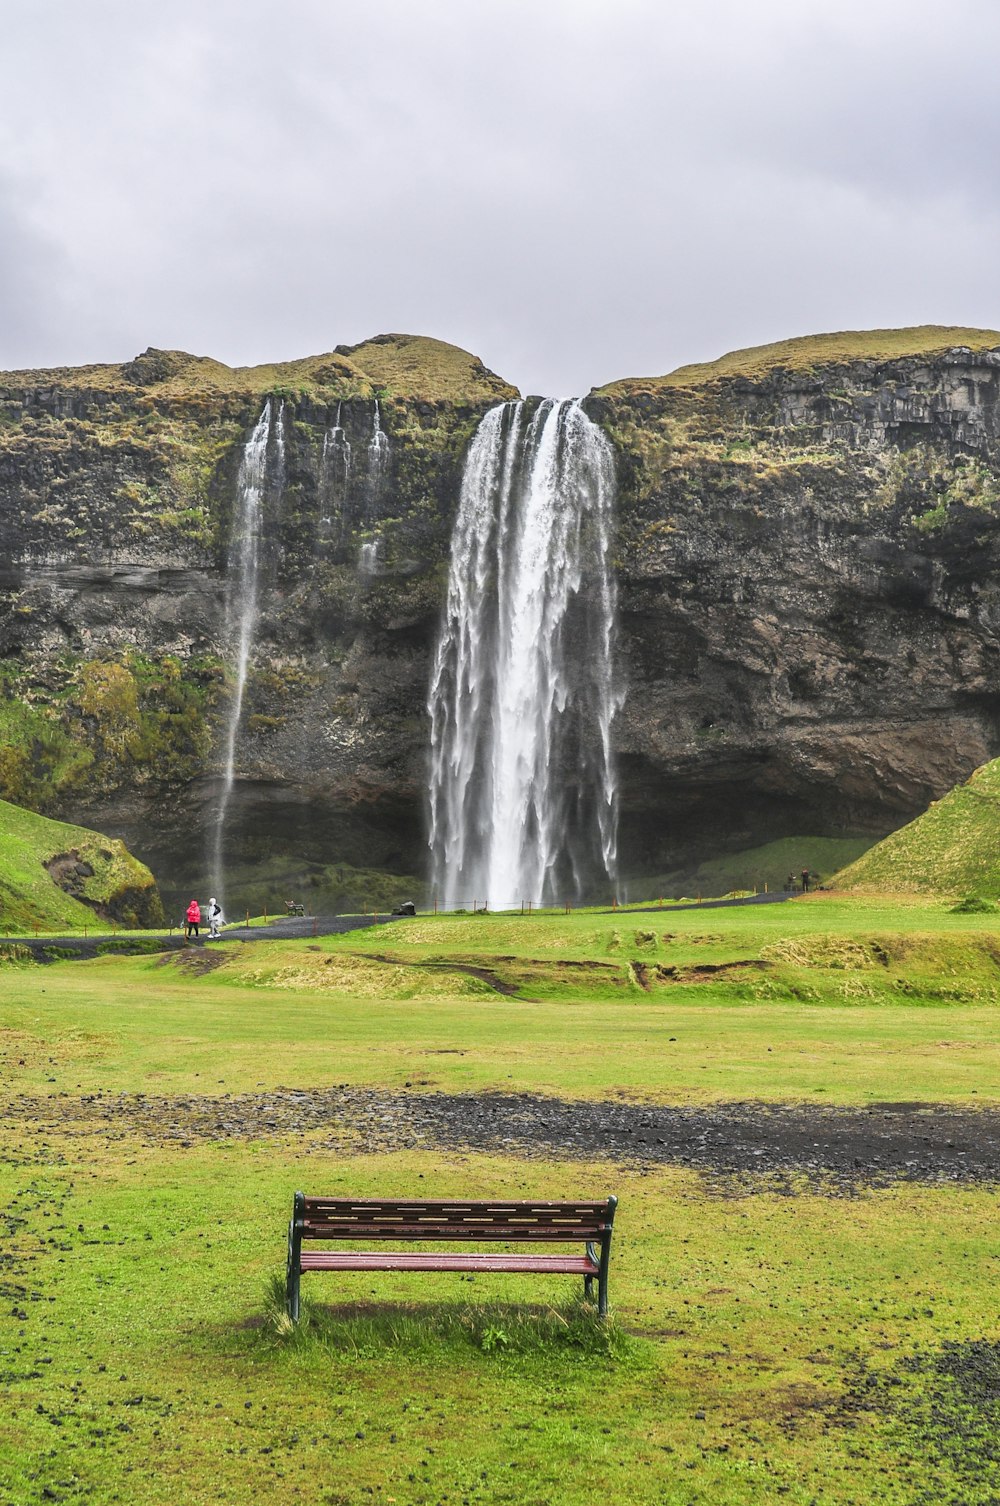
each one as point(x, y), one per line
point(807, 575)
point(117, 496)
point(809, 592)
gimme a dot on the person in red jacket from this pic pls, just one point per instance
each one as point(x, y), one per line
point(193, 919)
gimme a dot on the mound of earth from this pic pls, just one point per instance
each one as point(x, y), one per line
point(953, 848)
point(54, 875)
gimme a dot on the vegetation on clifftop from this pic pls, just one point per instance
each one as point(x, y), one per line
point(805, 352)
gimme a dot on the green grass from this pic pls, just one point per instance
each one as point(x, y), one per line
point(764, 1346)
point(323, 888)
point(854, 1004)
point(806, 352)
point(149, 1365)
point(953, 848)
point(764, 867)
point(119, 885)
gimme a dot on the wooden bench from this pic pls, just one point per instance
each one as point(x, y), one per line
point(331, 1219)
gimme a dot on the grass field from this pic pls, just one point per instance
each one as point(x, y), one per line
point(766, 1344)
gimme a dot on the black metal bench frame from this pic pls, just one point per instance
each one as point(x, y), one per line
point(402, 1221)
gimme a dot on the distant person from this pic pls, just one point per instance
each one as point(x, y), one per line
point(790, 884)
point(192, 919)
point(214, 920)
point(805, 881)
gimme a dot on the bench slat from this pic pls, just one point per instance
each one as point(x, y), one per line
point(341, 1218)
point(393, 1209)
point(498, 1233)
point(391, 1260)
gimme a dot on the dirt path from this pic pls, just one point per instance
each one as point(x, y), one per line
point(702, 904)
point(839, 1150)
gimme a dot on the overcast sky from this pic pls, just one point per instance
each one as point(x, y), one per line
point(574, 190)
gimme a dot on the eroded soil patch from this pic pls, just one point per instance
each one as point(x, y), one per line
point(840, 1150)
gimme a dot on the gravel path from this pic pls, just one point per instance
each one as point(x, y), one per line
point(297, 928)
point(839, 1150)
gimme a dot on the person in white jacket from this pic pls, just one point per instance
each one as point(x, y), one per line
point(214, 919)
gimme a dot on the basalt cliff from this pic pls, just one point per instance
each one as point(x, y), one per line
point(806, 560)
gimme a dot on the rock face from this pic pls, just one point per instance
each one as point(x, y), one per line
point(809, 594)
point(806, 561)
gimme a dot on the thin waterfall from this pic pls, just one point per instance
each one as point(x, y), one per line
point(336, 459)
point(279, 445)
point(523, 794)
point(378, 455)
point(378, 467)
point(335, 472)
point(241, 602)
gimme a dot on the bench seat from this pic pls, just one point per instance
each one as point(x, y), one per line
point(391, 1260)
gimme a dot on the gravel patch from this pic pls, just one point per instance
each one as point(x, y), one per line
point(784, 1146)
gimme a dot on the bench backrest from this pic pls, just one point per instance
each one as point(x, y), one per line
point(348, 1218)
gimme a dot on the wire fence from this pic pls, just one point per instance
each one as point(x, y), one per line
point(432, 905)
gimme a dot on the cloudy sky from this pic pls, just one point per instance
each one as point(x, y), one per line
point(574, 189)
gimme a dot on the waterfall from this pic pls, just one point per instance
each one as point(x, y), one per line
point(336, 460)
point(378, 455)
point(335, 471)
point(523, 796)
point(279, 445)
point(241, 600)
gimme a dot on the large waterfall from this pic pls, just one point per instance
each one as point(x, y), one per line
point(523, 800)
point(241, 600)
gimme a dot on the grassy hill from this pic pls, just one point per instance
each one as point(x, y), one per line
point(408, 367)
point(953, 848)
point(54, 875)
point(808, 352)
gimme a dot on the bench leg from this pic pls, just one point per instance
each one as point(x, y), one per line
point(293, 1276)
point(602, 1279)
